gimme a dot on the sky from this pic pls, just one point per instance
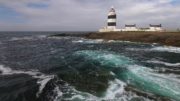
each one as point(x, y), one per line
point(85, 15)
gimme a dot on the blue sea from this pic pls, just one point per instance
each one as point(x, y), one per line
point(35, 66)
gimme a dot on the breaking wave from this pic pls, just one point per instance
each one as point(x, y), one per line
point(170, 49)
point(91, 41)
point(88, 41)
point(115, 91)
point(42, 78)
point(28, 38)
point(141, 77)
point(164, 63)
point(166, 49)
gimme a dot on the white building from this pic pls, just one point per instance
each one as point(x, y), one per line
point(130, 28)
point(155, 28)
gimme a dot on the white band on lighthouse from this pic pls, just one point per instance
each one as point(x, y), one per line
point(112, 20)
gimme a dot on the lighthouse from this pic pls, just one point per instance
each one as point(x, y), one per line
point(111, 22)
point(111, 25)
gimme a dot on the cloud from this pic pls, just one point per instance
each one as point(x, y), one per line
point(69, 15)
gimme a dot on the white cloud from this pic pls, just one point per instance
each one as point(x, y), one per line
point(90, 14)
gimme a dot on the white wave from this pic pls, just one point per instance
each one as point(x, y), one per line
point(88, 41)
point(59, 94)
point(5, 71)
point(120, 41)
point(158, 49)
point(112, 73)
point(28, 38)
point(116, 88)
point(53, 37)
point(137, 49)
point(82, 40)
point(78, 41)
point(81, 96)
point(78, 97)
point(21, 38)
point(111, 41)
point(164, 63)
point(115, 92)
point(42, 82)
point(42, 78)
point(41, 36)
point(166, 49)
point(95, 41)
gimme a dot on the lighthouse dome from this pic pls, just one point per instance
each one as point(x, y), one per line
point(112, 11)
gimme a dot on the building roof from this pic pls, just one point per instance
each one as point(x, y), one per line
point(155, 25)
point(134, 25)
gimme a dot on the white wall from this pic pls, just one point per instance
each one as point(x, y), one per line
point(111, 27)
point(107, 29)
point(130, 29)
point(155, 29)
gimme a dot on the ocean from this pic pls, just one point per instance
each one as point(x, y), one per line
point(36, 67)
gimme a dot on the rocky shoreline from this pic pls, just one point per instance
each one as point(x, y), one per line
point(164, 38)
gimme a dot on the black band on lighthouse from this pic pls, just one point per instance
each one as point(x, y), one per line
point(111, 24)
point(112, 17)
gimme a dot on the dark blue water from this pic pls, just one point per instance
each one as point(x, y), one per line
point(35, 67)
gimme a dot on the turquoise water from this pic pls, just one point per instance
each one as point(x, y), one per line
point(138, 76)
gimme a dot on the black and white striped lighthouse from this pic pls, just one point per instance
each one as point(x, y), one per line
point(111, 22)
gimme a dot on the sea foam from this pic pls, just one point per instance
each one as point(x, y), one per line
point(164, 63)
point(157, 49)
point(88, 41)
point(166, 49)
point(42, 78)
